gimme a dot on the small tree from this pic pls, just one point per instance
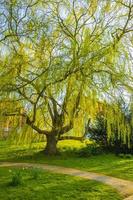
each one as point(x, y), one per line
point(99, 133)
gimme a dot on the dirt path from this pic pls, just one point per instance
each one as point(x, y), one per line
point(124, 187)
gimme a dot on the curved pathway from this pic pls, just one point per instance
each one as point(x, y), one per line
point(124, 187)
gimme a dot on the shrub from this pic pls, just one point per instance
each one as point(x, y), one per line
point(16, 178)
point(89, 150)
point(128, 156)
point(122, 155)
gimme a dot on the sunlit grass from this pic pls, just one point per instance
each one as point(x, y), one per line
point(106, 163)
point(52, 186)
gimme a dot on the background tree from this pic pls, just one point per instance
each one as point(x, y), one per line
point(97, 131)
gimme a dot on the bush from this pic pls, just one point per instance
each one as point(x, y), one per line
point(122, 155)
point(16, 178)
point(89, 150)
point(128, 156)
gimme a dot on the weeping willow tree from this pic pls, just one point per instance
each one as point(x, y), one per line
point(62, 60)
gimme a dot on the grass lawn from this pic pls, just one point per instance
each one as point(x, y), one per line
point(108, 164)
point(51, 186)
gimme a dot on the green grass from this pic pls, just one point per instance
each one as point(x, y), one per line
point(51, 186)
point(108, 164)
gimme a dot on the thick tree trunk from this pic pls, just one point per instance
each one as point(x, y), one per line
point(51, 146)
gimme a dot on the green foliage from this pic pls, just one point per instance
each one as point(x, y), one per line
point(16, 177)
point(128, 156)
point(113, 132)
point(90, 150)
point(121, 155)
point(98, 131)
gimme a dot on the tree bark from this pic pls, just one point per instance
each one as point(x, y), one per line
point(51, 145)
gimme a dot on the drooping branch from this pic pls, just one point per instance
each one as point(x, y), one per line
point(28, 122)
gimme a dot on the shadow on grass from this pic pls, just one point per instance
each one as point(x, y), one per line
point(106, 163)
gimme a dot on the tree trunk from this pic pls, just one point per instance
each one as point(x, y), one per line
point(51, 148)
